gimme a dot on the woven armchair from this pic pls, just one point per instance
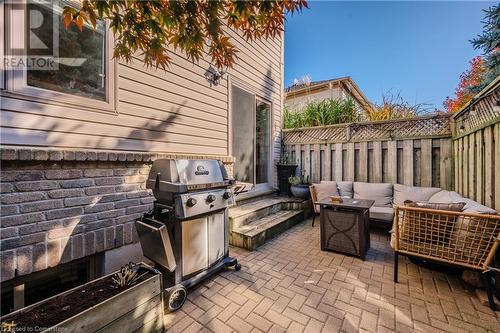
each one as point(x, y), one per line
point(467, 240)
point(314, 198)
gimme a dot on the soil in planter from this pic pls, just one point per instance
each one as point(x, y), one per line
point(60, 308)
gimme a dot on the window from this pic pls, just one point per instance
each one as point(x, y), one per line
point(81, 70)
point(2, 48)
point(65, 65)
point(29, 289)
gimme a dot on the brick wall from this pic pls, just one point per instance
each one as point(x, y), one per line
point(57, 206)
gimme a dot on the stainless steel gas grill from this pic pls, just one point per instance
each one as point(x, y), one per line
point(186, 234)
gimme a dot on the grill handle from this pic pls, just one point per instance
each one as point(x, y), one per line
point(156, 243)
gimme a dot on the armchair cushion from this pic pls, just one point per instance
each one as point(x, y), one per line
point(380, 192)
point(413, 193)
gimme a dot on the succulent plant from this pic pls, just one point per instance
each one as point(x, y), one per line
point(127, 276)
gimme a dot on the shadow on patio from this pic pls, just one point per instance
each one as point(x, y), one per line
point(290, 285)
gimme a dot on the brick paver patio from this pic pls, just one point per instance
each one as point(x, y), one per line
point(290, 285)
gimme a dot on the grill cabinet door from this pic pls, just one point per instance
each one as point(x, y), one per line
point(216, 237)
point(194, 245)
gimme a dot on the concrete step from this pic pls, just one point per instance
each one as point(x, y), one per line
point(254, 210)
point(254, 234)
point(255, 195)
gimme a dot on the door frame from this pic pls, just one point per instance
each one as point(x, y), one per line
point(258, 97)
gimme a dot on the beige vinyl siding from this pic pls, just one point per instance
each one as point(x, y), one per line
point(172, 111)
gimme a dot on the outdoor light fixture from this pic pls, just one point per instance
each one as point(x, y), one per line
point(214, 76)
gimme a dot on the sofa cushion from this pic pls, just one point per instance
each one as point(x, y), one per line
point(380, 192)
point(382, 213)
point(446, 196)
point(325, 190)
point(413, 193)
point(471, 206)
point(345, 189)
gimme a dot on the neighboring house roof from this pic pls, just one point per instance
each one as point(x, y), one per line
point(346, 82)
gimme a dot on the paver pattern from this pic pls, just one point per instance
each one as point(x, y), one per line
point(290, 285)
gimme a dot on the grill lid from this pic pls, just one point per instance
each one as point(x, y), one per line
point(180, 176)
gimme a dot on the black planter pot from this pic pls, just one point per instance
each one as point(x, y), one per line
point(300, 191)
point(285, 172)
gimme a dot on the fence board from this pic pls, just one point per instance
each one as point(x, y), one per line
point(465, 166)
point(408, 162)
point(298, 159)
point(488, 167)
point(363, 162)
point(350, 162)
point(307, 161)
point(377, 162)
point(327, 162)
point(315, 175)
point(496, 161)
point(479, 167)
point(338, 162)
point(457, 163)
point(426, 163)
point(445, 163)
point(392, 161)
point(472, 173)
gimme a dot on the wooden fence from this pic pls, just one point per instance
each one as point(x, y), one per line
point(476, 145)
point(410, 151)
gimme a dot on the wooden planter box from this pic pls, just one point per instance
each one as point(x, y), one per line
point(136, 309)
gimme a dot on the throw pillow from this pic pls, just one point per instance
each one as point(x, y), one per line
point(344, 189)
point(450, 206)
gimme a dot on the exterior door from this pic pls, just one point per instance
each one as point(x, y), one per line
point(251, 137)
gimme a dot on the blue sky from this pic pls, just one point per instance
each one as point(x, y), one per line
point(416, 48)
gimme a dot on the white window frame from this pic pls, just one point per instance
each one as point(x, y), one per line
point(16, 79)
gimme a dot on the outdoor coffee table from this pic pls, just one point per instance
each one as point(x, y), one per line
point(345, 227)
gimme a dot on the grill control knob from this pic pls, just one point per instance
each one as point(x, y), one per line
point(191, 202)
point(227, 195)
point(211, 198)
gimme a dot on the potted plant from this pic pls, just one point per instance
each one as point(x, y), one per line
point(286, 168)
point(299, 186)
point(131, 298)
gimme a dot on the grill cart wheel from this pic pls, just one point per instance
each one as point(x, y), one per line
point(176, 297)
point(237, 267)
